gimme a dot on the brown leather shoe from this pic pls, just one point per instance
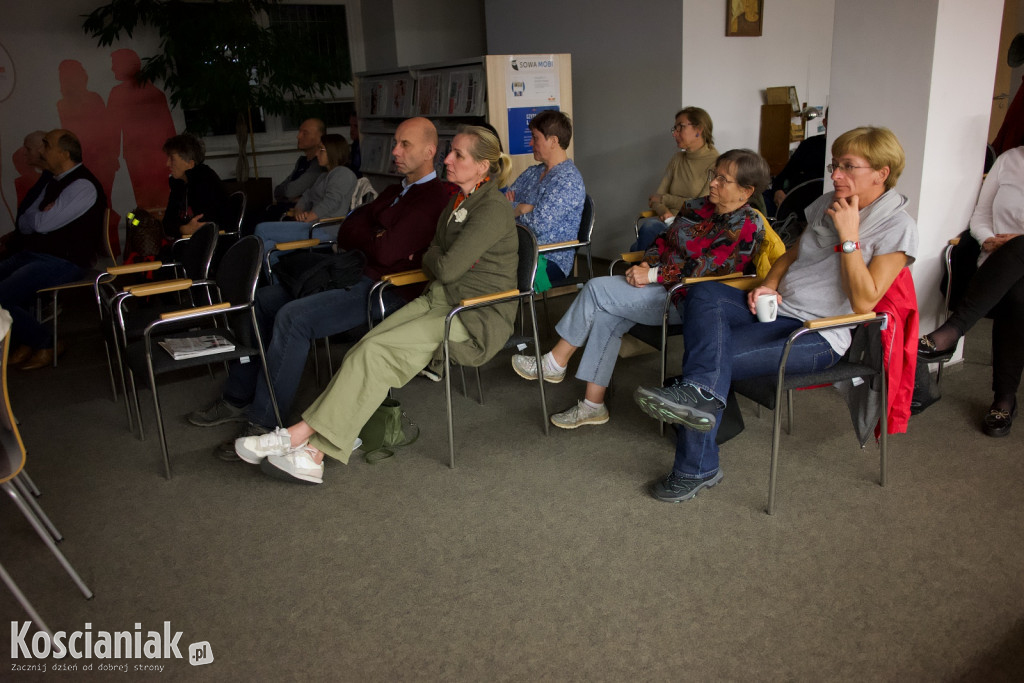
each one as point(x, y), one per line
point(20, 355)
point(41, 358)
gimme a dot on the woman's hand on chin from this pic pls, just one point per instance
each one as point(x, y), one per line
point(845, 215)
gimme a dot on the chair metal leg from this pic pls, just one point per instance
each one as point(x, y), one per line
point(883, 464)
point(479, 386)
point(789, 411)
point(316, 362)
point(540, 367)
point(23, 601)
point(448, 404)
point(43, 534)
point(774, 466)
point(159, 420)
point(36, 509)
point(135, 401)
point(55, 328)
point(27, 480)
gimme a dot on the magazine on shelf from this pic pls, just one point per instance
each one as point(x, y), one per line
point(192, 347)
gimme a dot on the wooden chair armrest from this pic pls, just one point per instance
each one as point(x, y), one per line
point(489, 297)
point(158, 287)
point(171, 315)
point(142, 267)
point(296, 244)
point(406, 277)
point(631, 256)
point(954, 241)
point(849, 319)
point(715, 278)
point(321, 222)
point(558, 245)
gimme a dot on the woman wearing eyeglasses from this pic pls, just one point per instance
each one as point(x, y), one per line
point(715, 235)
point(858, 238)
point(686, 176)
point(330, 196)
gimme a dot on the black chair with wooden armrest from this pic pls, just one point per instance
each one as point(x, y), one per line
point(582, 242)
point(768, 390)
point(232, 317)
point(525, 275)
point(308, 242)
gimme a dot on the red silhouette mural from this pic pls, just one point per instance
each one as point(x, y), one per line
point(83, 112)
point(142, 121)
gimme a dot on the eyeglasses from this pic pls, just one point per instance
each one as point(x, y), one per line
point(678, 128)
point(720, 179)
point(846, 169)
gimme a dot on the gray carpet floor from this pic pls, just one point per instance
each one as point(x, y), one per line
point(537, 558)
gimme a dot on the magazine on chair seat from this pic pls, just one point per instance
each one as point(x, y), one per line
point(191, 347)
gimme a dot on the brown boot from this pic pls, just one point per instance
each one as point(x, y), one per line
point(41, 358)
point(20, 355)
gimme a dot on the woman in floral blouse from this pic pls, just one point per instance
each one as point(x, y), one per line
point(548, 198)
point(713, 235)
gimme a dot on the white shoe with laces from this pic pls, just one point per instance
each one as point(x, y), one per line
point(579, 415)
point(254, 449)
point(526, 367)
point(298, 464)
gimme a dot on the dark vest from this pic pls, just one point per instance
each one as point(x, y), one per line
point(78, 240)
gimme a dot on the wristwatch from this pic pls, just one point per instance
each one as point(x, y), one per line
point(848, 247)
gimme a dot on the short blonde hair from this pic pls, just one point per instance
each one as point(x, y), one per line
point(486, 147)
point(878, 146)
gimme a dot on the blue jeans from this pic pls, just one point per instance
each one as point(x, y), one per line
point(649, 230)
point(287, 231)
point(21, 276)
point(724, 341)
point(288, 326)
point(603, 311)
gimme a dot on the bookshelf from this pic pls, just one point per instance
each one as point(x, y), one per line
point(498, 89)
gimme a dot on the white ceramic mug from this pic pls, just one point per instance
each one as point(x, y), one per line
point(767, 307)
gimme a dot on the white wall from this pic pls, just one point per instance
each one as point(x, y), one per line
point(727, 76)
point(928, 77)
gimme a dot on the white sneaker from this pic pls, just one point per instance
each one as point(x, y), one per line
point(579, 415)
point(297, 464)
point(253, 449)
point(526, 367)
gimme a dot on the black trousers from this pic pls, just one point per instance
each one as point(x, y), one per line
point(997, 291)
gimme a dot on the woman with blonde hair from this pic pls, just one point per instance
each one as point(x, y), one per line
point(858, 238)
point(475, 251)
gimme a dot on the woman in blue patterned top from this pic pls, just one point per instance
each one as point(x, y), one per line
point(714, 235)
point(548, 197)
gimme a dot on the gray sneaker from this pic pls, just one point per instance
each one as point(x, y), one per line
point(225, 450)
point(218, 413)
point(579, 415)
point(526, 367)
point(681, 404)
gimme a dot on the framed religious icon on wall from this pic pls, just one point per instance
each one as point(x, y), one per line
point(743, 17)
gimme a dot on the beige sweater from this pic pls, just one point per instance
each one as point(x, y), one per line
point(686, 177)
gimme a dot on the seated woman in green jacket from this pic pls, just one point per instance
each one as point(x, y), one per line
point(474, 252)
